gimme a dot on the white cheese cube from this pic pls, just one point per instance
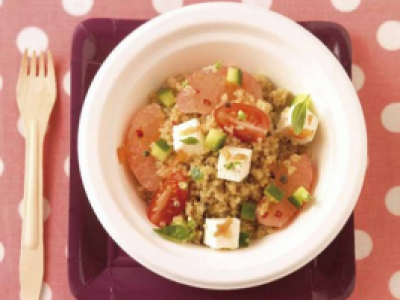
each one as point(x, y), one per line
point(233, 163)
point(310, 126)
point(227, 239)
point(189, 129)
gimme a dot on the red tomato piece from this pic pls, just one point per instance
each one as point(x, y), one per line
point(255, 125)
point(169, 200)
point(279, 214)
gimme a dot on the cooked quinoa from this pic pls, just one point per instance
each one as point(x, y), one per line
point(217, 198)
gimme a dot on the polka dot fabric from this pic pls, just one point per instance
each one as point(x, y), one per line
point(374, 28)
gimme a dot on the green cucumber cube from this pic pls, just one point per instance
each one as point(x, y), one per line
point(299, 197)
point(215, 139)
point(275, 193)
point(166, 97)
point(248, 211)
point(234, 75)
point(160, 150)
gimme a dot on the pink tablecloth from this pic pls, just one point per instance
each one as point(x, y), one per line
point(374, 26)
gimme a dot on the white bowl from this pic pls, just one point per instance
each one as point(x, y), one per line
point(258, 41)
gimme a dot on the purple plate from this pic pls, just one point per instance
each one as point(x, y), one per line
point(99, 270)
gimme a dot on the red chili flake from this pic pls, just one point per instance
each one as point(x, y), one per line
point(197, 91)
point(278, 214)
point(207, 102)
point(265, 215)
point(139, 132)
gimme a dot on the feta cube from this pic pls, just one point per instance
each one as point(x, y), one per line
point(233, 163)
point(310, 126)
point(217, 236)
point(188, 129)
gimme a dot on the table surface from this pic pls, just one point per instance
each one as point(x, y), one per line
point(374, 27)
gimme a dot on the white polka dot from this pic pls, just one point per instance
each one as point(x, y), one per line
point(392, 200)
point(394, 285)
point(1, 167)
point(67, 83)
point(46, 209)
point(1, 81)
point(2, 251)
point(66, 166)
point(363, 244)
point(388, 35)
point(390, 117)
point(346, 5)
point(163, 6)
point(77, 7)
point(32, 38)
point(358, 77)
point(262, 3)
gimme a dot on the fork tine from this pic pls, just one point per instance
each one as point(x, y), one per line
point(23, 71)
point(50, 66)
point(41, 64)
point(32, 68)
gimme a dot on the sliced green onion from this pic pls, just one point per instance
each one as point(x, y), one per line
point(241, 115)
point(196, 174)
point(276, 193)
point(217, 66)
point(248, 211)
point(185, 83)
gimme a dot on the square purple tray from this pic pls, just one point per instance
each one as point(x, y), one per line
point(100, 270)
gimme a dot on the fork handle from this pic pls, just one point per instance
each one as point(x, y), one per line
point(32, 192)
point(31, 258)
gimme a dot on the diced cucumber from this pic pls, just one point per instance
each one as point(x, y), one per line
point(275, 193)
point(234, 75)
point(166, 97)
point(248, 211)
point(160, 149)
point(299, 197)
point(215, 139)
point(244, 239)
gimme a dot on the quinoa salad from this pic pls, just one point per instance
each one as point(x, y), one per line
point(222, 157)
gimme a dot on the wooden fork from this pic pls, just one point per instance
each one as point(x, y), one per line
point(36, 94)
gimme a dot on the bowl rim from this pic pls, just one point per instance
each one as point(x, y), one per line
point(104, 210)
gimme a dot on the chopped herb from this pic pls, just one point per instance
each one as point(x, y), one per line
point(232, 165)
point(283, 179)
point(176, 233)
point(190, 141)
point(275, 193)
point(183, 185)
point(185, 83)
point(299, 115)
point(146, 153)
point(163, 145)
point(244, 239)
point(241, 115)
point(196, 174)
